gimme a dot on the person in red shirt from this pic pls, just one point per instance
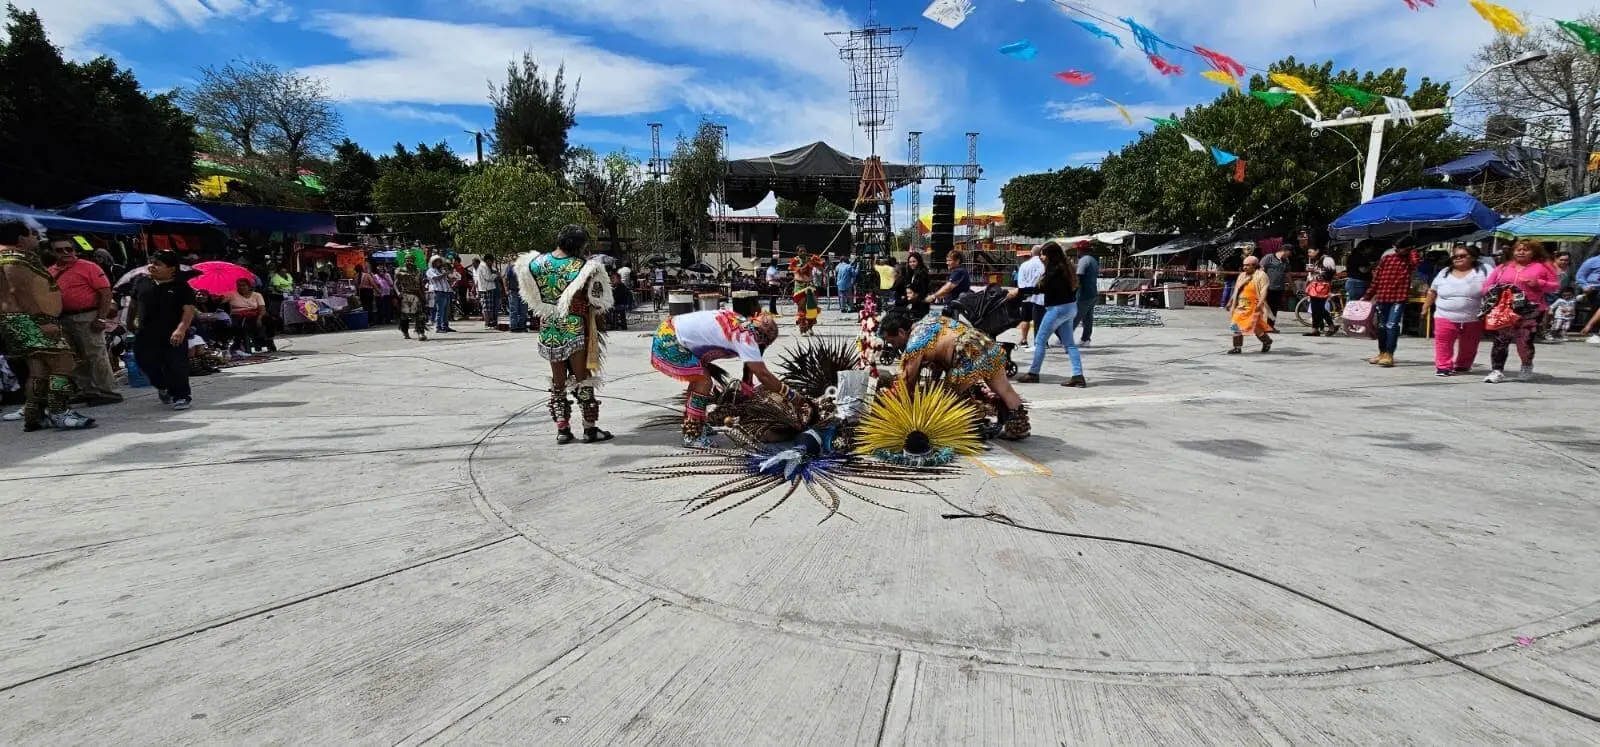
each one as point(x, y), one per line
point(85, 307)
point(1391, 288)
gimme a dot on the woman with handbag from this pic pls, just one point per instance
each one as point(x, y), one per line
point(1320, 272)
point(1456, 298)
point(1530, 275)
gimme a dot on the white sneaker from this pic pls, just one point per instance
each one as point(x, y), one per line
point(1494, 377)
point(1594, 339)
point(12, 416)
point(182, 403)
point(1525, 373)
point(68, 421)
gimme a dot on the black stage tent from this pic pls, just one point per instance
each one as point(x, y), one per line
point(803, 175)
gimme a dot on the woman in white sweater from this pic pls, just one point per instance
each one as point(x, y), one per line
point(1456, 298)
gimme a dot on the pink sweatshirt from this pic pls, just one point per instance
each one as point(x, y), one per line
point(1536, 279)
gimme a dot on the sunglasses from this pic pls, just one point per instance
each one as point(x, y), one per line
point(1462, 256)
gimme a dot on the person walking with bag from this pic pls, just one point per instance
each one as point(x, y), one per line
point(1320, 272)
point(1513, 321)
point(1456, 298)
point(1248, 312)
point(1391, 287)
point(1059, 286)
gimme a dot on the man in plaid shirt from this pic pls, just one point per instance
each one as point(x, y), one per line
point(1391, 287)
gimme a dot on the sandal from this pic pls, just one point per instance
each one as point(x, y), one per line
point(595, 435)
point(564, 436)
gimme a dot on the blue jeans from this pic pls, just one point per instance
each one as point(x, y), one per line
point(441, 309)
point(1085, 317)
point(1057, 321)
point(518, 309)
point(1354, 289)
point(1388, 316)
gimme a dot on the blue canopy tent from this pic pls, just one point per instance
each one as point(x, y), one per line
point(54, 222)
point(1577, 219)
point(1490, 165)
point(1437, 214)
point(135, 207)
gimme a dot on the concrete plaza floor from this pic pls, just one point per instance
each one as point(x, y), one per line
point(375, 541)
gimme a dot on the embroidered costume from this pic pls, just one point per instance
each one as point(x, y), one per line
point(685, 344)
point(570, 295)
point(804, 266)
point(974, 358)
point(413, 306)
point(48, 355)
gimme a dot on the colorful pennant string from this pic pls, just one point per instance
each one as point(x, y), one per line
point(1417, 4)
point(1163, 122)
point(1147, 39)
point(1075, 77)
point(1022, 50)
point(1194, 145)
point(1100, 32)
point(1294, 84)
point(1238, 170)
point(1221, 62)
point(1273, 99)
point(1222, 157)
point(1221, 78)
point(1581, 34)
point(1127, 116)
point(1163, 66)
point(948, 13)
point(1362, 98)
point(1500, 17)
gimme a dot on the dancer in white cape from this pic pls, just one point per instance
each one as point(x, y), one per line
point(570, 295)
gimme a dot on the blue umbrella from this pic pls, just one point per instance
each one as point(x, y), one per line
point(1577, 219)
point(1413, 211)
point(135, 207)
point(61, 224)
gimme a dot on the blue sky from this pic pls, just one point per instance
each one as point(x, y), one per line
point(418, 70)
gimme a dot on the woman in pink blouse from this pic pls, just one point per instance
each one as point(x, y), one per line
point(1529, 270)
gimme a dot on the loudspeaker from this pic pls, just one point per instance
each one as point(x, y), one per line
point(943, 226)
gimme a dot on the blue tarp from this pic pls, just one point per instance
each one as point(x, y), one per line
point(385, 256)
point(135, 207)
point(55, 222)
point(1489, 165)
point(1577, 219)
point(1412, 211)
point(272, 220)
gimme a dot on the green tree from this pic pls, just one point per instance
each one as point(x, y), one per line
point(1292, 176)
point(695, 172)
point(533, 114)
point(277, 120)
point(509, 207)
point(350, 178)
point(414, 191)
point(71, 130)
point(822, 210)
point(1049, 204)
point(606, 186)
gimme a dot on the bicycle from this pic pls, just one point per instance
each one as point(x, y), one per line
point(1302, 308)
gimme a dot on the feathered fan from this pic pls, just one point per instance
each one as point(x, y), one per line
point(813, 462)
point(814, 364)
point(927, 430)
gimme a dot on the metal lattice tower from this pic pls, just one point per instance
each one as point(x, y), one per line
point(970, 173)
point(873, 54)
point(914, 163)
point(658, 172)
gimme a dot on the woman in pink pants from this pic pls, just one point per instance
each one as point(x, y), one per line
point(1456, 298)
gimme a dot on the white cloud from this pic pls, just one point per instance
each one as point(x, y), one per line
point(1084, 157)
point(72, 23)
point(435, 116)
point(434, 62)
point(789, 34)
point(1096, 110)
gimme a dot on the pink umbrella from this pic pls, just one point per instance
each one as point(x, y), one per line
point(220, 278)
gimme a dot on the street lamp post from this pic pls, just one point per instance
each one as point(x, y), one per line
point(1379, 122)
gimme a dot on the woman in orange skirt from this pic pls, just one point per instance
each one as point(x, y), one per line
point(1248, 309)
